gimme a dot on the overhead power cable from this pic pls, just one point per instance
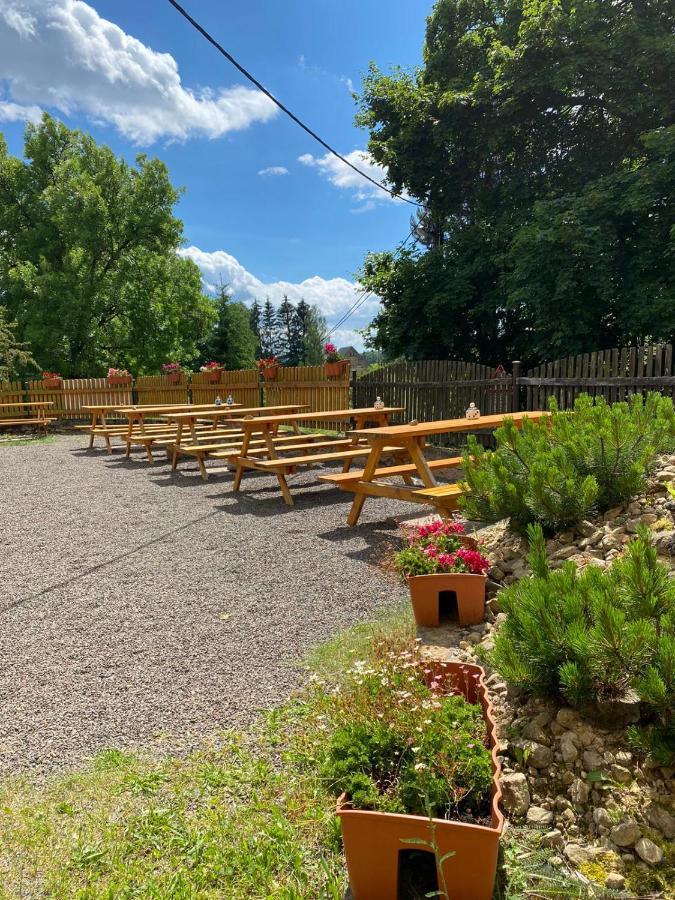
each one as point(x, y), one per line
point(261, 87)
point(366, 294)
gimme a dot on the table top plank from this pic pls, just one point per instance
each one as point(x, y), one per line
point(328, 415)
point(446, 426)
point(27, 403)
point(225, 409)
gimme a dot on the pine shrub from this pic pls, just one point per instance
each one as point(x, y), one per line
point(560, 470)
point(595, 636)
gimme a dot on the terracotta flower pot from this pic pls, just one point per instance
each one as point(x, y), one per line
point(119, 380)
point(270, 373)
point(52, 382)
point(335, 369)
point(174, 377)
point(374, 840)
point(469, 590)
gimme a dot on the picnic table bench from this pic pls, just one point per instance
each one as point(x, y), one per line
point(32, 412)
point(100, 427)
point(201, 445)
point(311, 451)
point(410, 440)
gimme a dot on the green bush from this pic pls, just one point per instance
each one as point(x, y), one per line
point(560, 470)
point(405, 747)
point(595, 636)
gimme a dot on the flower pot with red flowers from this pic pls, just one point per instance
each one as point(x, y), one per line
point(173, 372)
point(52, 380)
point(119, 378)
point(440, 558)
point(417, 761)
point(212, 371)
point(335, 364)
point(268, 367)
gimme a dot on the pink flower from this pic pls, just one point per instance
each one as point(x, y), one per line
point(446, 560)
point(329, 348)
point(474, 561)
point(431, 551)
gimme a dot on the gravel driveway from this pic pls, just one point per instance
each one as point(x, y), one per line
point(141, 608)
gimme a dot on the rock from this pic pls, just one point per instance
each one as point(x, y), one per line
point(496, 574)
point(553, 840)
point(621, 774)
point(623, 757)
point(515, 794)
point(535, 730)
point(538, 816)
point(538, 755)
point(661, 819)
point(649, 852)
point(565, 552)
point(664, 542)
point(577, 854)
point(567, 818)
point(586, 528)
point(579, 791)
point(648, 518)
point(616, 713)
point(592, 760)
point(625, 834)
point(567, 717)
point(556, 861)
point(602, 818)
point(566, 537)
point(615, 881)
point(613, 513)
point(568, 747)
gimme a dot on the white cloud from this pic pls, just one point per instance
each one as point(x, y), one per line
point(344, 177)
point(274, 170)
point(333, 296)
point(61, 54)
point(14, 112)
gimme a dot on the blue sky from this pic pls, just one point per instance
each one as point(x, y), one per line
point(136, 76)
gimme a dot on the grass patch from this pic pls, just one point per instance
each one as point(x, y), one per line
point(249, 819)
point(25, 441)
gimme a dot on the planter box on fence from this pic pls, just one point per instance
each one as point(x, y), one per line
point(52, 383)
point(270, 373)
point(373, 841)
point(119, 380)
point(174, 377)
point(213, 377)
point(425, 591)
point(337, 369)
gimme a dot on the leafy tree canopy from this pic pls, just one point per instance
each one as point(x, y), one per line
point(88, 263)
point(15, 356)
point(540, 137)
point(233, 341)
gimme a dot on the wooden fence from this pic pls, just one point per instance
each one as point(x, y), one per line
point(306, 385)
point(309, 386)
point(613, 374)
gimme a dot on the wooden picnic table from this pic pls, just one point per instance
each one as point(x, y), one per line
point(230, 412)
point(99, 426)
point(40, 418)
point(270, 460)
point(411, 439)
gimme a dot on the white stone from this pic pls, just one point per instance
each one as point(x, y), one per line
point(615, 881)
point(536, 815)
point(649, 852)
point(625, 834)
point(579, 791)
point(661, 819)
point(553, 839)
point(577, 854)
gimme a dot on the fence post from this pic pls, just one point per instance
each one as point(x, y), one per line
point(515, 388)
point(352, 387)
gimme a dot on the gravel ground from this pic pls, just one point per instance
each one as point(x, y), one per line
point(141, 608)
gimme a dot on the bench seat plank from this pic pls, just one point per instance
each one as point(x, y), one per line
point(342, 478)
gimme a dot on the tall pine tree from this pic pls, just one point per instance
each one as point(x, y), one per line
point(269, 333)
point(255, 315)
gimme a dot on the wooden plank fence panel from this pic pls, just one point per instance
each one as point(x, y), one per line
point(309, 386)
point(10, 392)
point(242, 384)
point(157, 390)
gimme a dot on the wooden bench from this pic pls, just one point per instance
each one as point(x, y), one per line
point(443, 496)
point(345, 479)
point(28, 413)
point(229, 446)
point(289, 464)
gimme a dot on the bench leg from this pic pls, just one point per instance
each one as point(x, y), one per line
point(202, 468)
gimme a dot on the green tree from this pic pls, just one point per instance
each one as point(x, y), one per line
point(314, 337)
point(269, 330)
point(255, 319)
point(540, 138)
point(88, 263)
point(15, 356)
point(290, 333)
point(232, 342)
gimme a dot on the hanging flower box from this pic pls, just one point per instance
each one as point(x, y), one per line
point(212, 371)
point(119, 378)
point(268, 367)
point(174, 377)
point(337, 369)
point(173, 372)
point(52, 380)
point(467, 852)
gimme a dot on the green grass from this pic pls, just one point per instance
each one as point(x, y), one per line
point(248, 819)
point(25, 441)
